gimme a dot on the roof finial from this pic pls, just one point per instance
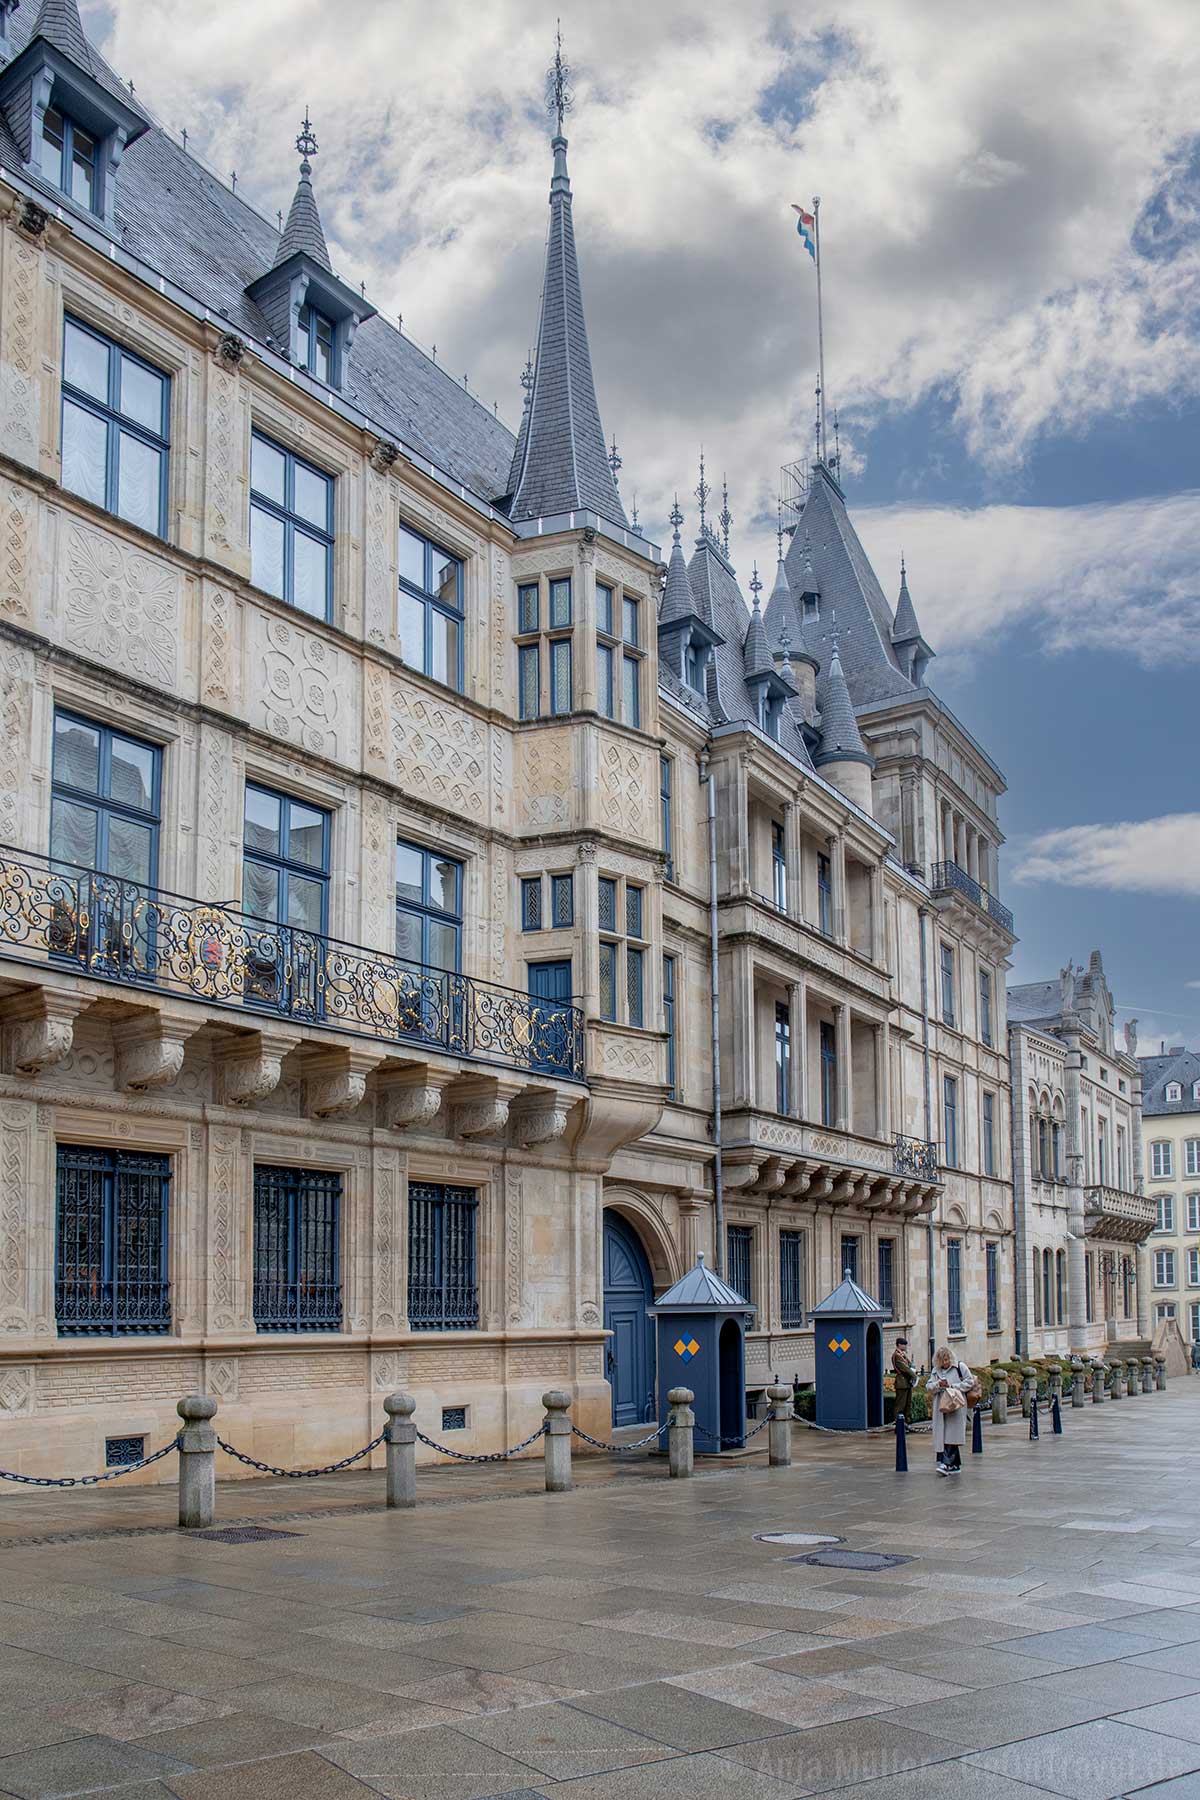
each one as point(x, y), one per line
point(676, 518)
point(635, 523)
point(755, 586)
point(702, 493)
point(614, 461)
point(559, 97)
point(779, 526)
point(306, 144)
point(527, 378)
point(726, 517)
point(837, 446)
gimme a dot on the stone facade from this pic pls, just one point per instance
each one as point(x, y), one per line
point(1171, 1125)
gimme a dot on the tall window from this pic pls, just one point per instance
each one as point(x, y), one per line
point(1193, 1268)
point(992, 1263)
point(1162, 1160)
point(314, 344)
point(783, 1058)
point(791, 1280)
point(1060, 1286)
point(1194, 1322)
point(824, 895)
point(1056, 1150)
point(622, 938)
point(429, 615)
point(989, 1134)
point(297, 1274)
point(1043, 1157)
point(885, 1259)
point(110, 1272)
point(1101, 1153)
point(669, 1022)
point(1164, 1268)
point(531, 701)
point(950, 1120)
point(666, 834)
point(285, 866)
point(104, 807)
point(947, 966)
point(443, 1286)
point(849, 1262)
point(954, 1312)
point(1123, 1158)
point(778, 868)
point(1048, 1287)
point(1127, 1284)
point(1166, 1212)
point(428, 908)
point(739, 1243)
point(1191, 1156)
point(529, 680)
point(1037, 1287)
point(115, 428)
point(1193, 1212)
point(829, 1073)
point(1089, 1285)
point(618, 655)
point(562, 902)
point(985, 1006)
point(531, 903)
point(291, 528)
point(68, 158)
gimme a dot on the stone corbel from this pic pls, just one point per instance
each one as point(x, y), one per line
point(33, 220)
point(481, 1106)
point(741, 1174)
point(251, 1066)
point(410, 1099)
point(149, 1048)
point(797, 1181)
point(40, 1029)
point(229, 351)
point(771, 1178)
point(540, 1119)
point(335, 1081)
point(383, 454)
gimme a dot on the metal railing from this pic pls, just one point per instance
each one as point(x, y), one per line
point(62, 916)
point(948, 877)
point(915, 1156)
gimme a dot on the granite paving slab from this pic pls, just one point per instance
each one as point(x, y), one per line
point(1092, 1762)
point(1174, 1718)
point(304, 1776)
point(791, 1700)
point(697, 1777)
point(671, 1715)
point(858, 1750)
point(1079, 1645)
point(564, 1743)
point(79, 1764)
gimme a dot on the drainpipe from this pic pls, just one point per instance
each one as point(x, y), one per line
point(923, 913)
point(706, 780)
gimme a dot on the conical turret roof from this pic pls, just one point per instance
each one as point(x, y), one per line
point(841, 740)
point(59, 23)
point(303, 235)
point(905, 628)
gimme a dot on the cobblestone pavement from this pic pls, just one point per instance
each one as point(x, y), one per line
point(631, 1640)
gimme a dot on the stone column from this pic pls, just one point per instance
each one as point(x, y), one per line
point(878, 944)
point(798, 1015)
point(587, 919)
point(779, 1431)
point(1000, 1398)
point(400, 1437)
point(197, 1462)
point(1142, 1283)
point(883, 1098)
point(841, 911)
point(681, 1421)
point(739, 829)
point(794, 860)
point(845, 1068)
point(744, 1028)
point(1076, 1225)
point(558, 1442)
point(1098, 1374)
point(1076, 1382)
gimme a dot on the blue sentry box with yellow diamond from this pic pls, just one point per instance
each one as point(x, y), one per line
point(701, 1341)
point(848, 1339)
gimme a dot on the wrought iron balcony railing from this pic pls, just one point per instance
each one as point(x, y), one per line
point(62, 916)
point(948, 877)
point(916, 1156)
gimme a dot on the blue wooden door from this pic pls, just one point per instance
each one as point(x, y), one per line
point(628, 1291)
point(550, 1019)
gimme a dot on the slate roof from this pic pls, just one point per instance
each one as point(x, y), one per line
point(849, 1301)
point(756, 653)
point(679, 599)
point(1035, 1002)
point(905, 628)
point(561, 464)
point(302, 234)
point(841, 739)
point(59, 23)
point(1178, 1065)
point(701, 1290)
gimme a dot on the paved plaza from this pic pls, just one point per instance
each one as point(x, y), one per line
point(632, 1639)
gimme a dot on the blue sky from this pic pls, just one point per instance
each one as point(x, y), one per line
point(1011, 226)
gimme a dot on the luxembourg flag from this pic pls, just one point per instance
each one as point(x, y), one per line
point(805, 224)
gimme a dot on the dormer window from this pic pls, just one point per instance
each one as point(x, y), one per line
point(812, 606)
point(314, 345)
point(1174, 1093)
point(770, 711)
point(68, 157)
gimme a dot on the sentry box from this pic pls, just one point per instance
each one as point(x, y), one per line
point(701, 1324)
point(848, 1334)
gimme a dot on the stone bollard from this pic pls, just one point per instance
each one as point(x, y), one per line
point(681, 1421)
point(558, 1442)
point(1076, 1382)
point(1132, 1372)
point(1147, 1374)
point(400, 1445)
point(1000, 1400)
point(779, 1431)
point(1160, 1372)
point(1055, 1379)
point(1028, 1390)
point(197, 1462)
point(1117, 1371)
point(1097, 1380)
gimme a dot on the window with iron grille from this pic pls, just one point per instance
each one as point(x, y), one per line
point(529, 681)
point(531, 903)
point(954, 1286)
point(849, 1262)
point(297, 1263)
point(443, 1292)
point(111, 1243)
point(885, 1291)
point(562, 900)
point(992, 1262)
point(123, 1452)
point(454, 1418)
point(739, 1243)
point(791, 1280)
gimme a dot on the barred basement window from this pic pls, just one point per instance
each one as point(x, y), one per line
point(885, 1284)
point(123, 1452)
point(992, 1254)
point(531, 903)
point(454, 1418)
point(739, 1240)
point(791, 1280)
point(297, 1275)
point(442, 1284)
point(111, 1251)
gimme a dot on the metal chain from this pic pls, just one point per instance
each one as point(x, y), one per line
point(619, 1449)
point(70, 1481)
point(492, 1456)
point(263, 1468)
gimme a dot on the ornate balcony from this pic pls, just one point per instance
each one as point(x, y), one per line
point(949, 878)
point(767, 1154)
point(1113, 1213)
point(916, 1157)
point(68, 920)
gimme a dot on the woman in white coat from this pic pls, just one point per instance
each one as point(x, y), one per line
point(949, 1428)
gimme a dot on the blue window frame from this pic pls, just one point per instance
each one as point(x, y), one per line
point(992, 1260)
point(606, 699)
point(778, 868)
point(989, 1134)
point(285, 860)
point(791, 1280)
point(429, 617)
point(116, 421)
point(291, 528)
point(531, 903)
point(315, 345)
point(560, 602)
point(297, 1264)
point(630, 620)
point(560, 675)
point(443, 1291)
point(829, 1073)
point(529, 681)
point(783, 1058)
point(885, 1260)
point(604, 609)
point(110, 1271)
point(562, 900)
point(947, 965)
point(67, 158)
point(985, 1007)
point(824, 895)
point(529, 607)
point(849, 1265)
point(104, 806)
point(428, 908)
point(669, 1021)
point(950, 1121)
point(631, 689)
point(954, 1312)
point(739, 1246)
point(664, 813)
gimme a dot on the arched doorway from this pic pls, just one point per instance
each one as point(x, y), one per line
point(628, 1291)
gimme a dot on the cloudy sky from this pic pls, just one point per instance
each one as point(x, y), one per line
point(1011, 235)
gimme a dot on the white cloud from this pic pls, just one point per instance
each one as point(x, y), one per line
point(1147, 856)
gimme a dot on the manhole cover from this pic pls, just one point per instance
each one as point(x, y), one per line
point(794, 1537)
point(851, 1559)
point(244, 1534)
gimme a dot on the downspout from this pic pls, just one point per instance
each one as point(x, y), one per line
point(706, 779)
point(922, 913)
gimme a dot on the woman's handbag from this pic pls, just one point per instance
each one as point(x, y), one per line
point(951, 1401)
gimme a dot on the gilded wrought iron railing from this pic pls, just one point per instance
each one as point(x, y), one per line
point(947, 877)
point(63, 916)
point(916, 1156)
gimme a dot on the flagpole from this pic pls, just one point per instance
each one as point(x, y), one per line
point(820, 319)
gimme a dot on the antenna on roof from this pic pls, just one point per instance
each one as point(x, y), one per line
point(725, 516)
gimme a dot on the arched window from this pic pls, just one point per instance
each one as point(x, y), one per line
point(1048, 1287)
point(1060, 1280)
point(1043, 1160)
point(1037, 1288)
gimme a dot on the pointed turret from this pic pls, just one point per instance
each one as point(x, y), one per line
point(756, 652)
point(912, 652)
point(561, 464)
point(687, 631)
point(842, 757)
point(303, 235)
point(58, 22)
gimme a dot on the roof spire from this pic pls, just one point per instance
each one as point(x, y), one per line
point(527, 379)
point(676, 518)
point(725, 516)
point(303, 231)
point(702, 492)
point(561, 463)
point(779, 527)
point(755, 586)
point(614, 460)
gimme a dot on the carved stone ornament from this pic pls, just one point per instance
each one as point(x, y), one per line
point(335, 1084)
point(383, 454)
point(412, 1100)
point(149, 1050)
point(230, 350)
point(252, 1070)
point(33, 219)
point(41, 1029)
point(481, 1118)
point(542, 1123)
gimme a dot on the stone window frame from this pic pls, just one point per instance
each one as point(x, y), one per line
point(543, 635)
point(622, 941)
